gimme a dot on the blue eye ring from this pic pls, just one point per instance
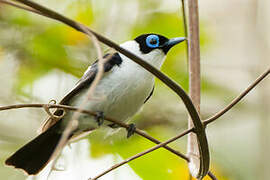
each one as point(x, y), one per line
point(152, 41)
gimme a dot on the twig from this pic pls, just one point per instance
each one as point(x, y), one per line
point(197, 147)
point(100, 68)
point(119, 123)
point(212, 176)
point(142, 133)
point(238, 98)
point(53, 116)
point(142, 153)
point(185, 22)
point(184, 17)
point(73, 122)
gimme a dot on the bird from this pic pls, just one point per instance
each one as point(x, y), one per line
point(123, 89)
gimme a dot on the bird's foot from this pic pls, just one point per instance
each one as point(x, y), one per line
point(131, 130)
point(99, 117)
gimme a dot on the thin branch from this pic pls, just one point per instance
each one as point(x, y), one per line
point(142, 133)
point(73, 123)
point(238, 98)
point(100, 71)
point(119, 123)
point(212, 176)
point(142, 154)
point(146, 152)
point(184, 17)
point(185, 22)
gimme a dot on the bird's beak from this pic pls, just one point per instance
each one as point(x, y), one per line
point(174, 41)
point(169, 44)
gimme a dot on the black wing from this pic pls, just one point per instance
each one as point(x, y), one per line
point(90, 75)
point(84, 82)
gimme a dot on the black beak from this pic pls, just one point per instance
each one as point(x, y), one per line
point(169, 44)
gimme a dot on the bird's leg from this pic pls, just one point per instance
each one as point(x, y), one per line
point(131, 130)
point(99, 117)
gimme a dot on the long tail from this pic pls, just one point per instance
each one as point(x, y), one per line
point(36, 154)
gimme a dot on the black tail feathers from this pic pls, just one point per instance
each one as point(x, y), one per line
point(36, 154)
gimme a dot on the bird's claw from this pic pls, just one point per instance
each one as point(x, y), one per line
point(99, 118)
point(131, 130)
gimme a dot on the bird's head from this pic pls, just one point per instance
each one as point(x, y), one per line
point(152, 47)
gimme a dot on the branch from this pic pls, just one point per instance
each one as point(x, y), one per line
point(73, 123)
point(185, 22)
point(197, 148)
point(212, 176)
point(238, 98)
point(119, 123)
point(142, 153)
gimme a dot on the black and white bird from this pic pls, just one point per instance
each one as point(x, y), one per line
point(123, 89)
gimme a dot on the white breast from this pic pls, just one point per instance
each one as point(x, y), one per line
point(123, 90)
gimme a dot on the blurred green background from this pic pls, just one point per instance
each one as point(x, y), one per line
point(41, 59)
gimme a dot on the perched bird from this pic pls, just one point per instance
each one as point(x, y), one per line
point(123, 89)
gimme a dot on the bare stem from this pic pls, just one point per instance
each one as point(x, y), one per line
point(73, 122)
point(212, 176)
point(238, 98)
point(185, 22)
point(142, 154)
point(197, 147)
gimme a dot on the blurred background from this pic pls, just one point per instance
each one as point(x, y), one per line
point(41, 59)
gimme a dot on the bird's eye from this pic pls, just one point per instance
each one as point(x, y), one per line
point(152, 41)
